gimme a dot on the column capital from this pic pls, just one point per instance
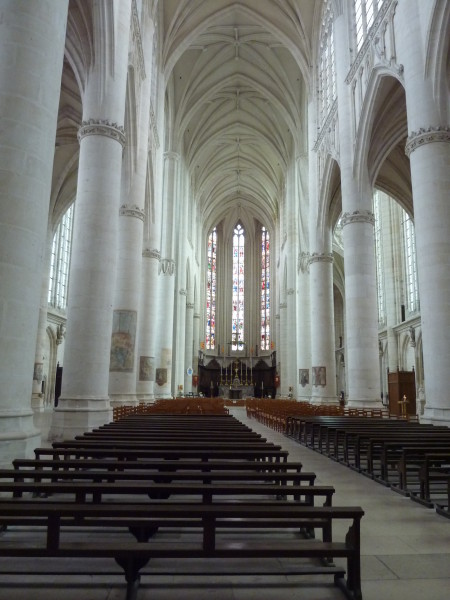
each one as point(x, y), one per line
point(151, 253)
point(131, 211)
point(290, 291)
point(426, 136)
point(167, 266)
point(183, 292)
point(321, 257)
point(102, 127)
point(190, 305)
point(358, 216)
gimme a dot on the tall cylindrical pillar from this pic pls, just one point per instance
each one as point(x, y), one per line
point(32, 36)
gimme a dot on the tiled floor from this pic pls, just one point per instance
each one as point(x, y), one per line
point(405, 554)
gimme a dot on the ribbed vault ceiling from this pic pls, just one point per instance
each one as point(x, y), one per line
point(237, 76)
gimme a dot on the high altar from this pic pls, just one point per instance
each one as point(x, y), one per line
point(238, 386)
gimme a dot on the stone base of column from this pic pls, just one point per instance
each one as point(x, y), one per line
point(146, 398)
point(37, 402)
point(75, 416)
point(304, 397)
point(123, 400)
point(324, 400)
point(18, 436)
point(436, 416)
point(369, 404)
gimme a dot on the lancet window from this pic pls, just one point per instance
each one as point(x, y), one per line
point(211, 286)
point(237, 299)
point(60, 261)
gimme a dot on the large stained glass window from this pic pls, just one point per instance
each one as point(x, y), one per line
point(265, 290)
point(237, 317)
point(211, 284)
point(60, 261)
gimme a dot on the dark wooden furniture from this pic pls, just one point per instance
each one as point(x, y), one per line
point(65, 529)
point(400, 384)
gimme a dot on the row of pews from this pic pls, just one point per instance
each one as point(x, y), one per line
point(274, 412)
point(175, 486)
point(181, 406)
point(411, 458)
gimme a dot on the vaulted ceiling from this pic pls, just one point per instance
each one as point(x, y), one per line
point(237, 78)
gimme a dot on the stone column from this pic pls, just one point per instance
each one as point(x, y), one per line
point(167, 278)
point(196, 346)
point(428, 149)
point(84, 402)
point(32, 36)
point(303, 383)
point(147, 325)
point(361, 314)
point(37, 396)
point(283, 351)
point(188, 346)
point(123, 362)
point(166, 285)
point(323, 376)
point(180, 340)
point(291, 315)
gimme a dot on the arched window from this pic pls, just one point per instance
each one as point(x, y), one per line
point(327, 66)
point(412, 288)
point(365, 14)
point(237, 316)
point(211, 282)
point(60, 261)
point(265, 289)
point(379, 260)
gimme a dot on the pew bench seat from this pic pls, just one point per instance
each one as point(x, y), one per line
point(59, 526)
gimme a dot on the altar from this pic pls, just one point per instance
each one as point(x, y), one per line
point(236, 391)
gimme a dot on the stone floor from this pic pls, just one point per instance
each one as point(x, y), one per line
point(405, 554)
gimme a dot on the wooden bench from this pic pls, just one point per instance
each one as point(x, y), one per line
point(161, 466)
point(263, 454)
point(61, 530)
point(433, 474)
point(411, 481)
point(80, 491)
point(444, 508)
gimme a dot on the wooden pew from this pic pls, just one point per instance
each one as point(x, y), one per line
point(222, 528)
point(433, 473)
point(263, 454)
point(444, 508)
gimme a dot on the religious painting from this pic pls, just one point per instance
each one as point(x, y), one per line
point(146, 368)
point(319, 376)
point(38, 371)
point(303, 377)
point(161, 376)
point(123, 339)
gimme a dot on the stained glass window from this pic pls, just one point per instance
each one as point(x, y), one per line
point(412, 287)
point(237, 316)
point(327, 65)
point(379, 260)
point(365, 14)
point(60, 261)
point(265, 289)
point(211, 282)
